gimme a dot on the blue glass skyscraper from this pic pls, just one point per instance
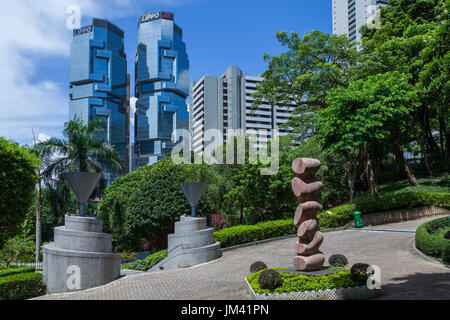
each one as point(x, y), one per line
point(98, 81)
point(162, 85)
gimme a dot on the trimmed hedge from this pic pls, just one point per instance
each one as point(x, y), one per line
point(339, 217)
point(8, 272)
point(432, 244)
point(21, 286)
point(251, 233)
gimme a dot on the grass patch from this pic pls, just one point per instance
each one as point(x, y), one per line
point(299, 283)
point(435, 184)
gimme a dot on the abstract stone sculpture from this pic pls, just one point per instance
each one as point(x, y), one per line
point(307, 190)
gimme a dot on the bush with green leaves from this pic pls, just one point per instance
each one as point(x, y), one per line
point(147, 263)
point(257, 266)
point(18, 168)
point(18, 249)
point(359, 272)
point(337, 260)
point(270, 279)
point(429, 238)
point(145, 204)
point(21, 286)
point(339, 217)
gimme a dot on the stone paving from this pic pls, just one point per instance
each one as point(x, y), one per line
point(405, 274)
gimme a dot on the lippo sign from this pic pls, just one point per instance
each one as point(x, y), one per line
point(77, 32)
point(155, 16)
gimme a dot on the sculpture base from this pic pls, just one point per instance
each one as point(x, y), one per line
point(192, 243)
point(80, 258)
point(311, 263)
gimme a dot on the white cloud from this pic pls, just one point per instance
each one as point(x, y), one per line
point(35, 29)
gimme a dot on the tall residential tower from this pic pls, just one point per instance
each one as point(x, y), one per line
point(162, 85)
point(98, 82)
point(225, 103)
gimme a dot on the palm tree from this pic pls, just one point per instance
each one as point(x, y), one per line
point(82, 149)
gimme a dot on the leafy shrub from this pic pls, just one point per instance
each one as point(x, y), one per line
point(437, 225)
point(339, 216)
point(270, 279)
point(21, 286)
point(430, 242)
point(252, 233)
point(126, 256)
point(143, 205)
point(299, 283)
point(10, 271)
point(18, 249)
point(337, 260)
point(147, 263)
point(257, 266)
point(447, 235)
point(18, 167)
point(359, 272)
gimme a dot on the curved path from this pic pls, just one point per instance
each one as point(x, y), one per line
point(405, 274)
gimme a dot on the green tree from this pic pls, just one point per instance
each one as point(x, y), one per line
point(413, 39)
point(18, 167)
point(83, 149)
point(305, 73)
point(260, 197)
point(368, 113)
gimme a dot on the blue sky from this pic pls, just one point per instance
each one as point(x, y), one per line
point(34, 84)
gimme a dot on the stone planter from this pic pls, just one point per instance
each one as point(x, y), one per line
point(355, 293)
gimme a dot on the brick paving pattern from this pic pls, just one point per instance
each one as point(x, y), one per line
point(405, 274)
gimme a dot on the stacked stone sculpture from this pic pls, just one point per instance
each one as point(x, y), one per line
point(307, 190)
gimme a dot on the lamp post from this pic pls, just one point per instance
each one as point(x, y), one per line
point(82, 184)
point(193, 192)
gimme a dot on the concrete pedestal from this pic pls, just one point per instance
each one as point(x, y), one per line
point(192, 243)
point(80, 258)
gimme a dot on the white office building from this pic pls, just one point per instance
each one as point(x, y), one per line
point(225, 103)
point(350, 15)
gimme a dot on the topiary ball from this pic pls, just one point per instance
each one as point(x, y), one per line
point(270, 279)
point(358, 272)
point(447, 235)
point(337, 260)
point(257, 266)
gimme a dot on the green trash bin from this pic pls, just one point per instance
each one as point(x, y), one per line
point(358, 219)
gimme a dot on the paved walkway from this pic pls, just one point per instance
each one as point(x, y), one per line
point(405, 274)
